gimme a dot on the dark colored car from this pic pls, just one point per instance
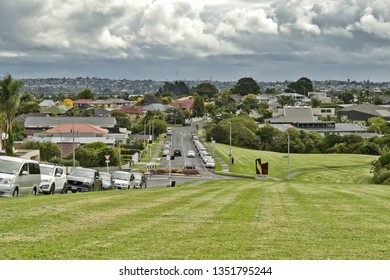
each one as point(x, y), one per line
point(177, 153)
point(84, 180)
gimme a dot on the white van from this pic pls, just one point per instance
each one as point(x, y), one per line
point(18, 176)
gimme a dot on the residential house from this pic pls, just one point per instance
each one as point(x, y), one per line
point(148, 100)
point(155, 107)
point(299, 99)
point(322, 96)
point(111, 103)
point(183, 103)
point(38, 124)
point(82, 103)
point(303, 118)
point(362, 112)
point(47, 103)
point(133, 112)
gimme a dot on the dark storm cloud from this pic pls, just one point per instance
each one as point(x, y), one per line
point(195, 38)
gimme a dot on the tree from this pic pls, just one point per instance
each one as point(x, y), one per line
point(9, 104)
point(198, 106)
point(250, 102)
point(378, 125)
point(85, 94)
point(67, 102)
point(315, 102)
point(302, 86)
point(122, 119)
point(246, 86)
point(284, 100)
point(206, 90)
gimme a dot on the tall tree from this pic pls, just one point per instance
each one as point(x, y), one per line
point(206, 90)
point(9, 104)
point(198, 106)
point(302, 86)
point(246, 86)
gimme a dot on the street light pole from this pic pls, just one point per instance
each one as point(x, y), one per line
point(230, 146)
point(73, 150)
point(288, 155)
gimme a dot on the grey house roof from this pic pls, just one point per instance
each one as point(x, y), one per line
point(365, 110)
point(45, 122)
point(294, 115)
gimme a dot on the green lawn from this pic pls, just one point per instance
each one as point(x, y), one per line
point(244, 161)
point(230, 219)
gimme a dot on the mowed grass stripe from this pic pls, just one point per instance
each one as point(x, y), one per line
point(127, 221)
point(229, 219)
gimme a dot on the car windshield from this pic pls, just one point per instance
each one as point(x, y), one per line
point(46, 170)
point(83, 173)
point(121, 175)
point(9, 167)
point(105, 176)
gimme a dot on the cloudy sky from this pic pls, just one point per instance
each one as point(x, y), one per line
point(224, 40)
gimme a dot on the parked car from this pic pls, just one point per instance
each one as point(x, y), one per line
point(140, 181)
point(191, 154)
point(84, 180)
point(122, 180)
point(210, 163)
point(169, 131)
point(166, 152)
point(53, 179)
point(107, 182)
point(19, 176)
point(177, 153)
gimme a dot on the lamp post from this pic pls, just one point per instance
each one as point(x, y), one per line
point(288, 154)
point(230, 145)
point(73, 148)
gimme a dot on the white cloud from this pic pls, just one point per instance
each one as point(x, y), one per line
point(377, 26)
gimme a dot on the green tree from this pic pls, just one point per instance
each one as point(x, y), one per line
point(284, 100)
point(206, 90)
point(378, 125)
point(315, 103)
point(9, 104)
point(246, 86)
point(85, 94)
point(302, 86)
point(47, 149)
point(346, 96)
point(122, 119)
point(198, 106)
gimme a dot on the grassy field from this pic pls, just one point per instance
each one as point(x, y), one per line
point(230, 219)
point(244, 161)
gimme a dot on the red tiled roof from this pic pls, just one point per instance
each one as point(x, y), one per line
point(67, 128)
point(82, 101)
point(183, 103)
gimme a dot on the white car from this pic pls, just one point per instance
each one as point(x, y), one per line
point(122, 180)
point(53, 179)
point(166, 152)
point(191, 154)
point(210, 163)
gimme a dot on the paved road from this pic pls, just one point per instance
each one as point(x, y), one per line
point(181, 139)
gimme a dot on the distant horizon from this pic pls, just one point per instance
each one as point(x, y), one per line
point(203, 80)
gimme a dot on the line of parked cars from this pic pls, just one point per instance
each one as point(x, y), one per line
point(22, 177)
point(207, 159)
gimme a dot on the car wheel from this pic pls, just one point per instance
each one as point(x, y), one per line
point(16, 192)
point(74, 191)
point(64, 189)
